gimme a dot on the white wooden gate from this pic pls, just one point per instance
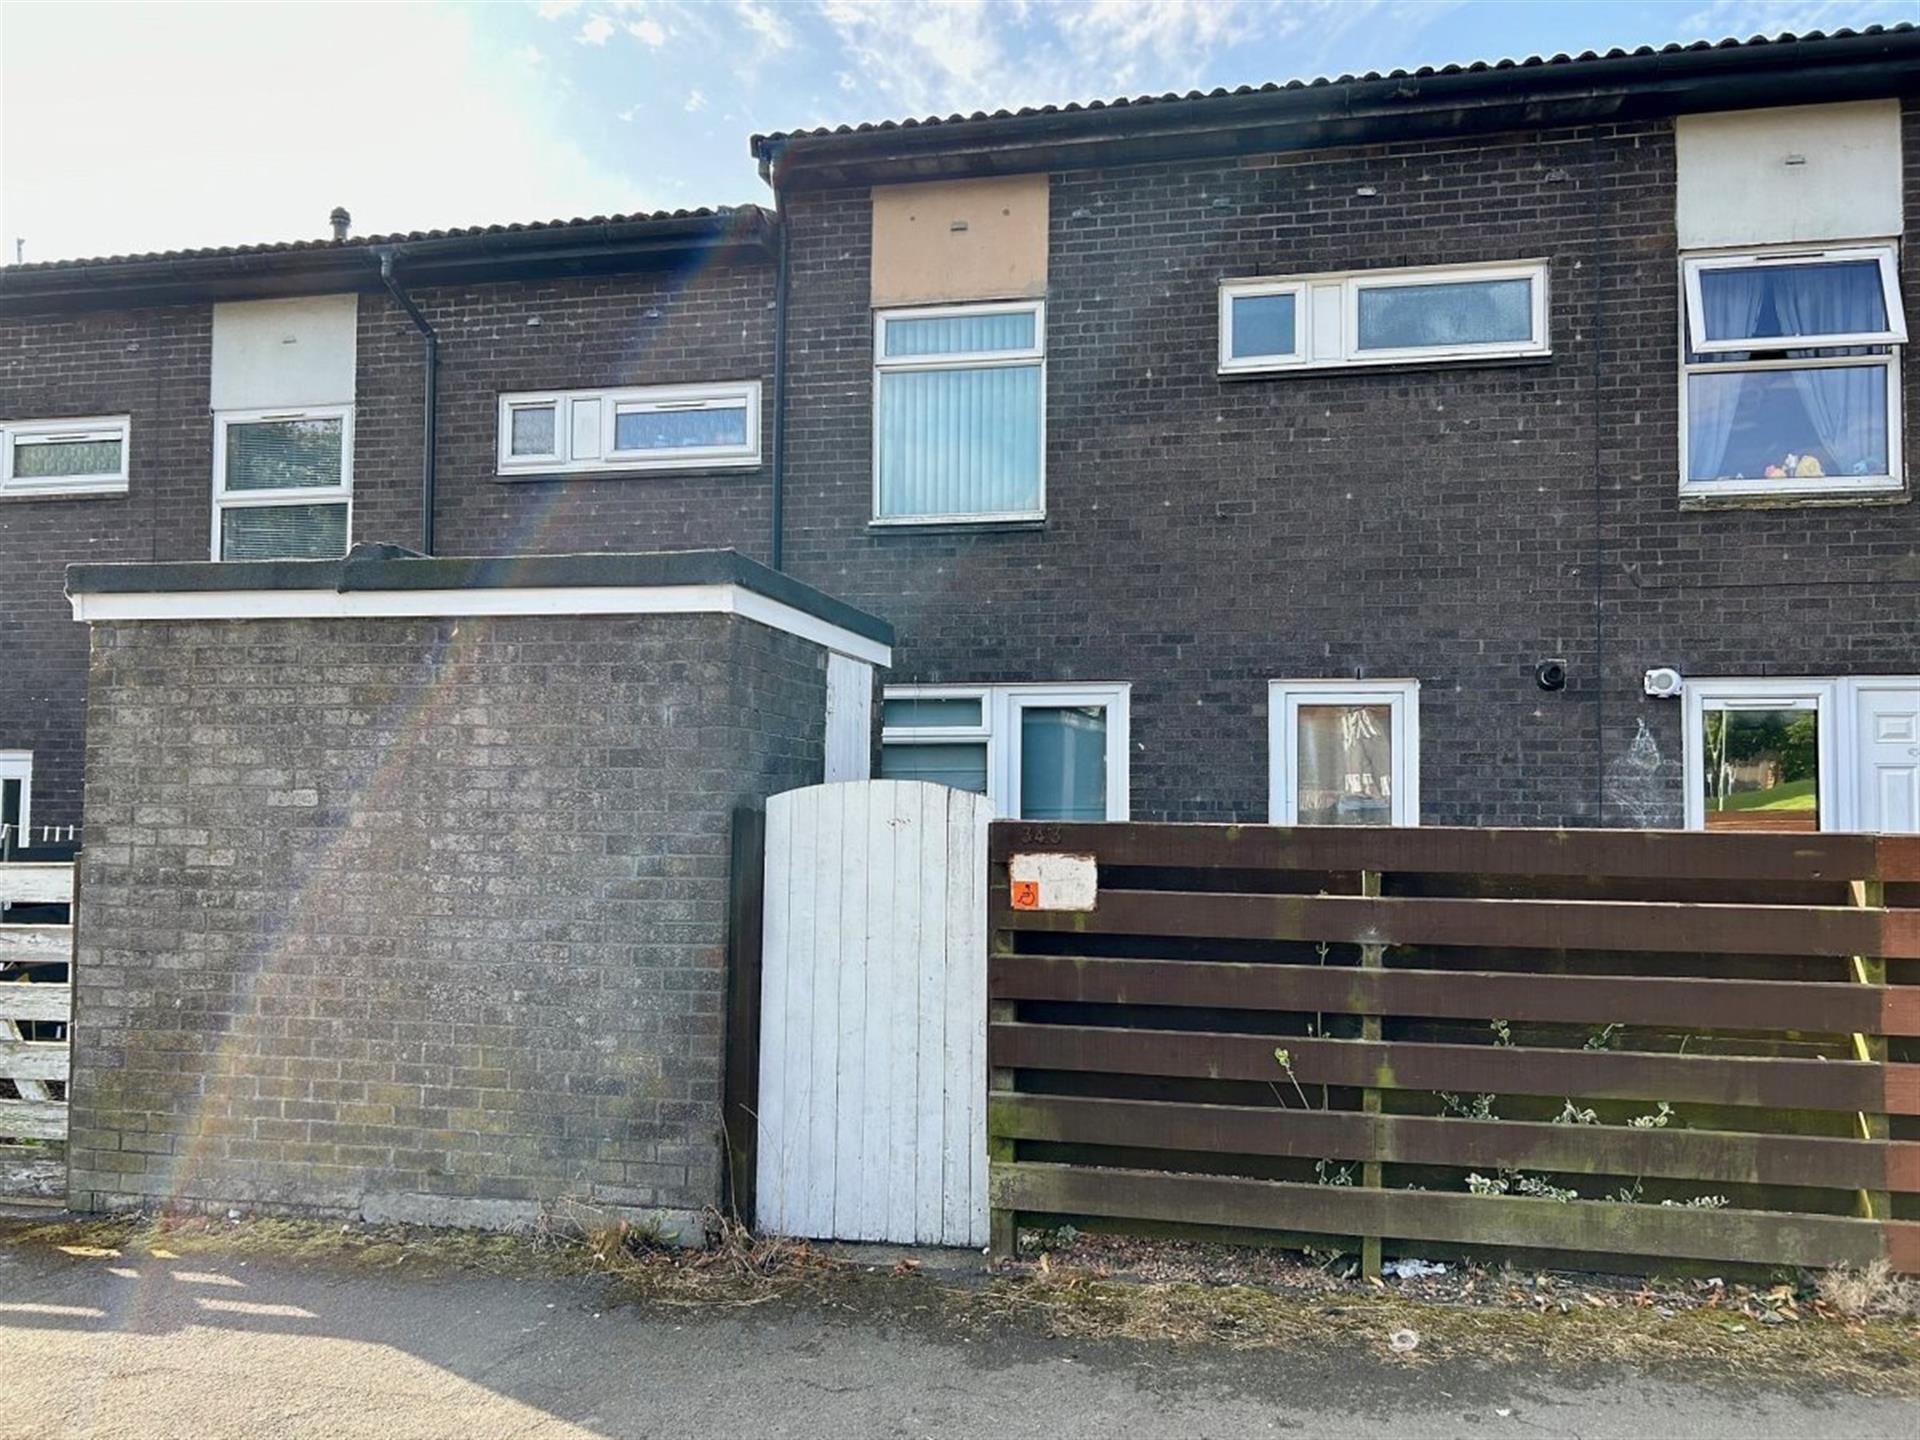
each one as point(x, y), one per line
point(873, 1031)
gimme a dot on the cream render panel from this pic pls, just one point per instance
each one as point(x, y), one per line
point(284, 354)
point(960, 240)
point(1787, 175)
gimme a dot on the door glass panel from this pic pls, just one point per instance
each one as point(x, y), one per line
point(1762, 769)
point(963, 767)
point(1063, 762)
point(1345, 774)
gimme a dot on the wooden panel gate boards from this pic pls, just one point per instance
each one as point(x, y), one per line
point(1612, 1046)
point(872, 1064)
point(36, 1000)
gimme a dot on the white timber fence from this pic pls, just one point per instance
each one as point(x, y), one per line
point(34, 1012)
point(873, 1017)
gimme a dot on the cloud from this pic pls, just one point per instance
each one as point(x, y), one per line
point(696, 101)
point(1743, 19)
point(476, 136)
point(648, 31)
point(766, 23)
point(945, 55)
point(595, 31)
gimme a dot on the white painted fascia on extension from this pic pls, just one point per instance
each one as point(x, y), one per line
point(457, 604)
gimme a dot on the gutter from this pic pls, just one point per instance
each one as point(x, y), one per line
point(430, 408)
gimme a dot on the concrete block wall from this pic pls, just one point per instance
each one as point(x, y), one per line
point(418, 919)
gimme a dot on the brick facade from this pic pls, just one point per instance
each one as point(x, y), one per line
point(712, 322)
point(1456, 524)
point(1204, 535)
point(418, 919)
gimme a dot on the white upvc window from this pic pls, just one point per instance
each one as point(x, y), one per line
point(959, 414)
point(1418, 316)
point(1037, 752)
point(1790, 372)
point(282, 483)
point(1343, 752)
point(16, 795)
point(653, 427)
point(86, 456)
point(1761, 754)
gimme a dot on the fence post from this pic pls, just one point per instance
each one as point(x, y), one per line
point(1870, 970)
point(1003, 1226)
point(740, 1098)
point(1370, 1170)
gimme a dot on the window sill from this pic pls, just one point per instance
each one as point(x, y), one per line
point(658, 472)
point(909, 528)
point(1702, 500)
point(103, 492)
point(1398, 366)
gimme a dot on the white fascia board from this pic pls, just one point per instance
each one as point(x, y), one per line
point(456, 604)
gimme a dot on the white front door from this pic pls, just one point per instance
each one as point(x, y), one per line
point(1888, 763)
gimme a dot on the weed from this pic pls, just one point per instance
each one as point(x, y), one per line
point(1327, 1173)
point(1657, 1120)
point(1573, 1115)
point(1478, 1108)
point(1871, 1291)
point(1601, 1039)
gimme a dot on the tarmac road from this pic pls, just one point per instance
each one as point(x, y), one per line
point(207, 1348)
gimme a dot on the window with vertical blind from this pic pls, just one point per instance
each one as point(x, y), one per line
point(1038, 752)
point(959, 413)
point(282, 484)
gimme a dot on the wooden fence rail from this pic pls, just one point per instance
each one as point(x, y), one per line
point(1636, 1047)
point(36, 1002)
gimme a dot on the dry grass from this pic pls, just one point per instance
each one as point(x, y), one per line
point(1858, 1332)
point(1875, 1356)
point(1872, 1292)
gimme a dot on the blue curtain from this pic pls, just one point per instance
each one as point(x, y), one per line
point(1063, 762)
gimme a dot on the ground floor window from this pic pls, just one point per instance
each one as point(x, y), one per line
point(1803, 754)
point(1038, 752)
point(16, 797)
point(1344, 752)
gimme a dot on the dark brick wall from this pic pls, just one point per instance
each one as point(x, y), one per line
point(1455, 524)
point(418, 919)
point(152, 365)
point(709, 323)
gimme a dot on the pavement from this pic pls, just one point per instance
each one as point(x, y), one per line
point(98, 1345)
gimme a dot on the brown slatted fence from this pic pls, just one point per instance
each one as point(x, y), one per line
point(1621, 1047)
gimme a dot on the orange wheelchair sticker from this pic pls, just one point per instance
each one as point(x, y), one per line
point(1026, 894)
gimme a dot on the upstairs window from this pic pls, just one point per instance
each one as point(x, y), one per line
point(64, 457)
point(959, 414)
point(657, 427)
point(1384, 317)
point(1790, 380)
point(282, 484)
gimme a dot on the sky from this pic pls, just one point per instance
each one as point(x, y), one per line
point(133, 128)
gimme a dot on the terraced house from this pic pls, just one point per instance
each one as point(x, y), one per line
point(1514, 444)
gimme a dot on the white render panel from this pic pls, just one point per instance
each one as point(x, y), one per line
point(285, 354)
point(1786, 175)
point(849, 719)
point(873, 1073)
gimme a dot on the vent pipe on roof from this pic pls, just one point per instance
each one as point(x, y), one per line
point(341, 221)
